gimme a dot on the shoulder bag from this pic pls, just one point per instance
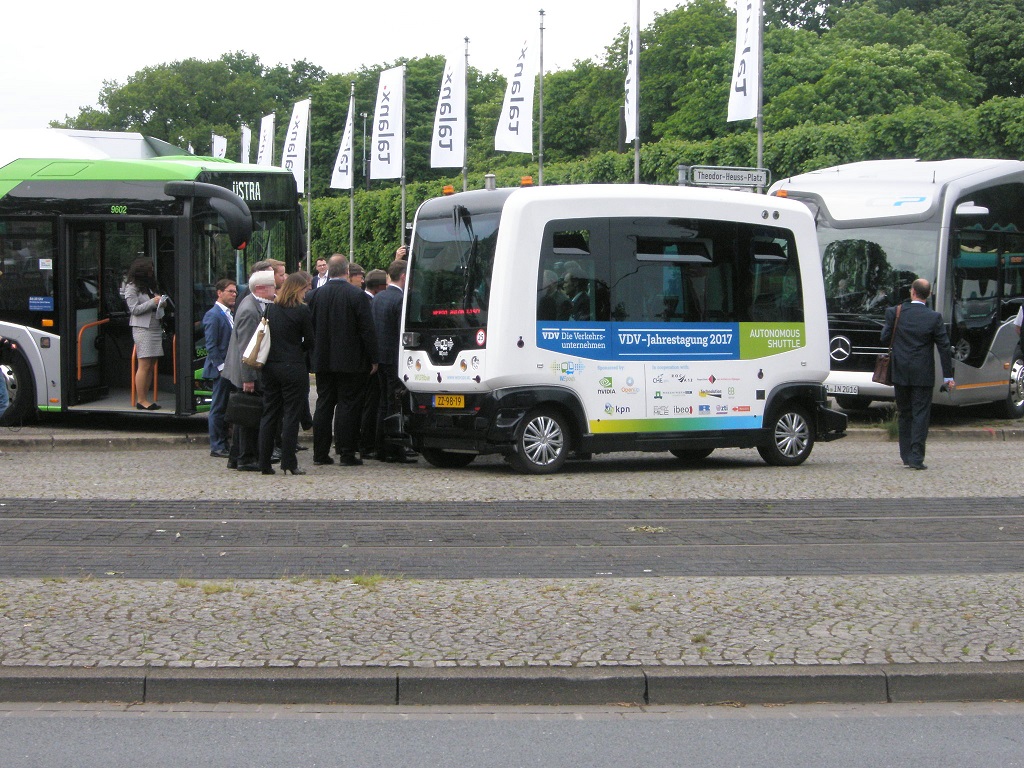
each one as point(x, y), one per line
point(883, 372)
point(258, 348)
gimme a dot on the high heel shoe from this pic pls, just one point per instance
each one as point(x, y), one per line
point(295, 471)
point(270, 471)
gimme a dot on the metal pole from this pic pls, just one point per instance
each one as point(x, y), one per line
point(366, 173)
point(465, 127)
point(352, 190)
point(636, 110)
point(540, 117)
point(760, 87)
point(309, 186)
point(402, 236)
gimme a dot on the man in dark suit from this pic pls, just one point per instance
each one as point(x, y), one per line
point(387, 317)
point(344, 357)
point(217, 325)
point(917, 330)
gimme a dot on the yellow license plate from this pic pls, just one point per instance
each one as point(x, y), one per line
point(449, 401)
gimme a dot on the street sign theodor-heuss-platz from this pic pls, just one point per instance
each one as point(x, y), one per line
point(726, 176)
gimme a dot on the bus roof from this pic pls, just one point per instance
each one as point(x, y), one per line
point(891, 189)
point(82, 145)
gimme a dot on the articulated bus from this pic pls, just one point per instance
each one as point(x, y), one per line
point(958, 223)
point(543, 323)
point(76, 208)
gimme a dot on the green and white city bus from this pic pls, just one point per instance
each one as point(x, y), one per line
point(76, 208)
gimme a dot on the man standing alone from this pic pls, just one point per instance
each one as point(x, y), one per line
point(344, 357)
point(917, 330)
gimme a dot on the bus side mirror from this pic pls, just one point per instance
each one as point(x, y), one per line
point(231, 208)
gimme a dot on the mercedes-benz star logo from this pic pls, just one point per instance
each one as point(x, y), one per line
point(840, 348)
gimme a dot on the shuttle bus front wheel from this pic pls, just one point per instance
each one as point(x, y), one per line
point(542, 443)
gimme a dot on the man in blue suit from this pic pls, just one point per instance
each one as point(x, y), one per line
point(918, 329)
point(217, 325)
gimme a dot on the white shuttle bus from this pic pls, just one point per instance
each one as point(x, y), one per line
point(544, 323)
point(957, 223)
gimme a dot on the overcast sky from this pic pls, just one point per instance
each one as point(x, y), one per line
point(56, 54)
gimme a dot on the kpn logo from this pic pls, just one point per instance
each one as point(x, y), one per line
point(616, 410)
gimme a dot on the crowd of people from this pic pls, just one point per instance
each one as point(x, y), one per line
point(341, 324)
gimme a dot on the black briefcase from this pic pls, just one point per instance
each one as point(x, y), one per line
point(245, 409)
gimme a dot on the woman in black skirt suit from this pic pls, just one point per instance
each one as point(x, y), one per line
point(286, 374)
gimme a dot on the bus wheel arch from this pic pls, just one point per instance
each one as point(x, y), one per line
point(789, 434)
point(543, 440)
point(17, 376)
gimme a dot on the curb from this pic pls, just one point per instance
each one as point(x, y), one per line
point(149, 442)
point(522, 686)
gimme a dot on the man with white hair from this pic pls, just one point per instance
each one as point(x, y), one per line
point(262, 290)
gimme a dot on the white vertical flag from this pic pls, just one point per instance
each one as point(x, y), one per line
point(746, 73)
point(448, 148)
point(246, 144)
point(633, 83)
point(265, 150)
point(342, 176)
point(220, 146)
point(293, 156)
point(515, 124)
point(386, 162)
point(190, 150)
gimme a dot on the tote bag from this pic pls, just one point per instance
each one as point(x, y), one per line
point(258, 348)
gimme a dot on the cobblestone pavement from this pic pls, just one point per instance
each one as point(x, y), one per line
point(522, 622)
point(366, 622)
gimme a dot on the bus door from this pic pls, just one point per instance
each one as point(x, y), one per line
point(99, 351)
point(986, 291)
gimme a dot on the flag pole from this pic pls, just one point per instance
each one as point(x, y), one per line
point(352, 186)
point(636, 109)
point(540, 116)
point(465, 127)
point(309, 185)
point(401, 240)
point(760, 86)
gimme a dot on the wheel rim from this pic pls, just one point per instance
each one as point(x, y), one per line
point(792, 435)
point(1017, 383)
point(543, 440)
point(10, 378)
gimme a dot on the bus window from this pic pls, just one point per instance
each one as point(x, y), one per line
point(570, 285)
point(26, 266)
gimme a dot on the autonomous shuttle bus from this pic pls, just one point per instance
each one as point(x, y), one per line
point(958, 223)
point(546, 322)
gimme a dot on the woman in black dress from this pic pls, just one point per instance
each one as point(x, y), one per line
point(286, 374)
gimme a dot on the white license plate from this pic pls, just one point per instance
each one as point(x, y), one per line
point(842, 389)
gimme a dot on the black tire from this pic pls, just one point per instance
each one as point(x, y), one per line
point(853, 402)
point(20, 388)
point(1013, 406)
point(542, 443)
point(790, 437)
point(691, 455)
point(443, 459)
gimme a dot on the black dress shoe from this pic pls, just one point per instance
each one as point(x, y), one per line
point(232, 465)
point(301, 447)
point(403, 459)
point(248, 467)
point(324, 460)
point(220, 454)
point(918, 466)
point(350, 460)
point(269, 471)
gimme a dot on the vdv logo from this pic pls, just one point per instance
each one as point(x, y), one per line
point(629, 338)
point(549, 335)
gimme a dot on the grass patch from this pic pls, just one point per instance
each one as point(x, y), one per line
point(368, 581)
